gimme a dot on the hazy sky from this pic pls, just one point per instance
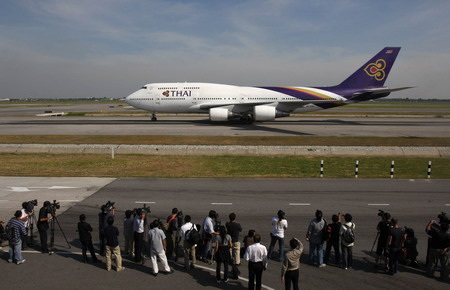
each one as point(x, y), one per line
point(100, 48)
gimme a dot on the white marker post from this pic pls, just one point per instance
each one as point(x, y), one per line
point(392, 169)
point(321, 168)
point(356, 168)
point(429, 170)
point(112, 152)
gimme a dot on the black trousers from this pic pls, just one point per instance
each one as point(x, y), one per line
point(335, 245)
point(138, 244)
point(43, 233)
point(255, 270)
point(291, 277)
point(87, 245)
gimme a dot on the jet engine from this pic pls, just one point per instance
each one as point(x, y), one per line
point(219, 114)
point(264, 113)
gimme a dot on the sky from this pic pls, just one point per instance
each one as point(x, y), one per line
point(110, 48)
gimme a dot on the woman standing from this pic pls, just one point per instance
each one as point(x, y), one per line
point(223, 246)
point(279, 225)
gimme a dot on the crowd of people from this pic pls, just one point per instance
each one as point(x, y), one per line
point(212, 242)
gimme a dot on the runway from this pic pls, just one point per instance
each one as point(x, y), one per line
point(185, 125)
point(255, 202)
point(22, 120)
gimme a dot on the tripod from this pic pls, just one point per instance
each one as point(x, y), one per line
point(52, 229)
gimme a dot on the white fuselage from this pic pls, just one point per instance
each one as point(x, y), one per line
point(199, 97)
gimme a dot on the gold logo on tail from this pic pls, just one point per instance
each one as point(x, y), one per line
point(376, 69)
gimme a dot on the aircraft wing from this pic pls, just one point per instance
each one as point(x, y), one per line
point(250, 105)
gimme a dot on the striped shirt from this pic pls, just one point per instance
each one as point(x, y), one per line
point(19, 228)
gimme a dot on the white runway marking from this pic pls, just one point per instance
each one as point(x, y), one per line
point(379, 204)
point(293, 203)
point(221, 203)
point(151, 202)
point(69, 200)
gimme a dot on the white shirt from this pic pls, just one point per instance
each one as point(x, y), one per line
point(256, 253)
point(279, 227)
point(184, 228)
point(26, 222)
point(208, 226)
point(138, 225)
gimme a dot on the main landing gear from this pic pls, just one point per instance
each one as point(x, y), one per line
point(247, 118)
point(154, 119)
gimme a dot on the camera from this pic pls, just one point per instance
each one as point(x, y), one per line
point(28, 206)
point(380, 212)
point(108, 207)
point(443, 217)
point(53, 207)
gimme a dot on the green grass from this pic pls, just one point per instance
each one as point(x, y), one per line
point(93, 165)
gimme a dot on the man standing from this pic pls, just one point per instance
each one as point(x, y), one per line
point(188, 248)
point(314, 235)
point(395, 245)
point(333, 240)
point(157, 245)
point(16, 230)
point(84, 232)
point(347, 233)
point(138, 227)
point(233, 229)
point(291, 264)
point(43, 226)
point(112, 245)
point(439, 250)
point(256, 255)
point(128, 233)
point(383, 228)
point(172, 221)
point(207, 232)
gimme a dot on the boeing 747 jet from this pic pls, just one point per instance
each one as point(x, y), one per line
point(249, 104)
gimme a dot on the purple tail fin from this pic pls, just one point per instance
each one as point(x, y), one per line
point(375, 72)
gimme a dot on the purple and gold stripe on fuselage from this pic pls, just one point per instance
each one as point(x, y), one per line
point(302, 93)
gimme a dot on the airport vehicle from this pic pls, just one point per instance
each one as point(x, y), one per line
point(249, 104)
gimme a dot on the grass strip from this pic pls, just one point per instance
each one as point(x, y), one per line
point(226, 140)
point(93, 165)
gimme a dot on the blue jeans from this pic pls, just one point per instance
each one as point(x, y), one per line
point(312, 249)
point(16, 250)
point(273, 240)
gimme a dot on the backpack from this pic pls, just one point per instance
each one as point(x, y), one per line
point(192, 236)
point(349, 235)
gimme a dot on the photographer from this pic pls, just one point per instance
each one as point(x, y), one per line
point(107, 210)
point(43, 226)
point(396, 241)
point(435, 227)
point(26, 218)
point(172, 222)
point(207, 232)
point(439, 249)
point(383, 233)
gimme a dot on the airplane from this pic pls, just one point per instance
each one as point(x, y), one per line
point(249, 104)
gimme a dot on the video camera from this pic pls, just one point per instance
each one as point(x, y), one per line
point(53, 207)
point(145, 209)
point(108, 207)
point(380, 212)
point(28, 206)
point(443, 217)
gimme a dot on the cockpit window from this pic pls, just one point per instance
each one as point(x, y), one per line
point(144, 87)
